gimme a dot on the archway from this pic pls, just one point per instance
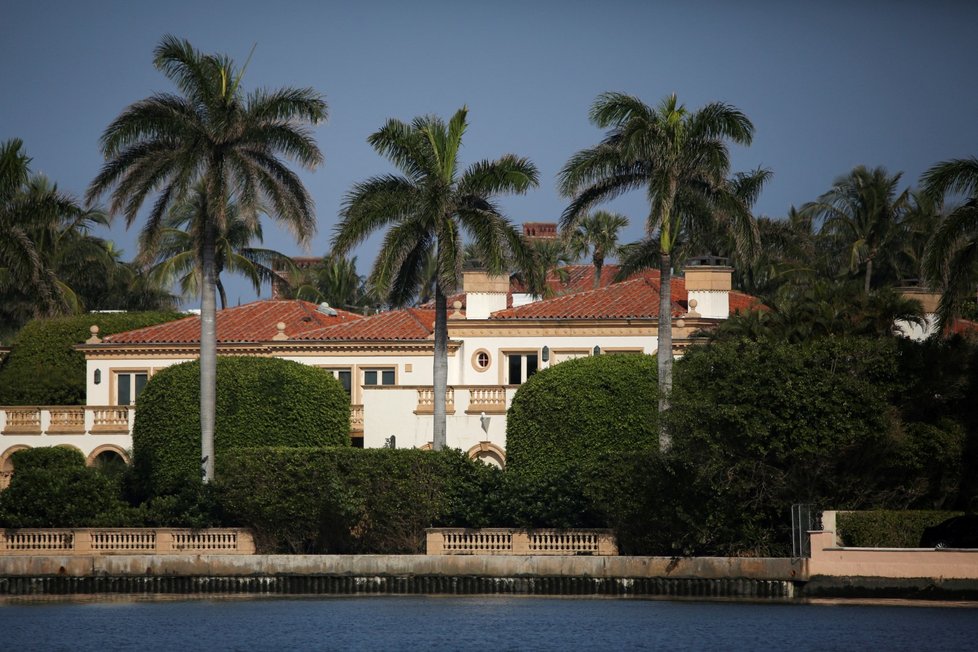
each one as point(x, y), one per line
point(488, 453)
point(7, 464)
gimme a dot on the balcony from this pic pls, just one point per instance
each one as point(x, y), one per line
point(62, 420)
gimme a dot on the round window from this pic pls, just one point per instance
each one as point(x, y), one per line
point(480, 360)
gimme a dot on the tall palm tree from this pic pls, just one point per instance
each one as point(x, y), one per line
point(547, 256)
point(863, 211)
point(597, 234)
point(48, 258)
point(428, 207)
point(951, 258)
point(175, 253)
point(682, 161)
point(210, 133)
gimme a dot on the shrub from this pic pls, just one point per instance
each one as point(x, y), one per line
point(335, 500)
point(43, 368)
point(886, 528)
point(570, 414)
point(52, 487)
point(758, 426)
point(260, 402)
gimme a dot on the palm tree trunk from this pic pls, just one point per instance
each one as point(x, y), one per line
point(664, 352)
point(869, 275)
point(208, 353)
point(598, 264)
point(222, 294)
point(440, 370)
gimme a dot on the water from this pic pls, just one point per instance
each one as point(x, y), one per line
point(479, 623)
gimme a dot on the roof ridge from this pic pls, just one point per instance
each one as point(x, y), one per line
point(410, 312)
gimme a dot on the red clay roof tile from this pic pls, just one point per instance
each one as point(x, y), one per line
point(252, 322)
point(407, 324)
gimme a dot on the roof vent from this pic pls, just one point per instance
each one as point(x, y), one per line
point(326, 310)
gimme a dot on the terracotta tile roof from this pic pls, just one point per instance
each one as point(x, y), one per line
point(252, 322)
point(573, 278)
point(638, 297)
point(408, 324)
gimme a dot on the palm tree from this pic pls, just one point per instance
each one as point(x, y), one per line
point(428, 207)
point(951, 258)
point(681, 160)
point(175, 253)
point(48, 259)
point(863, 212)
point(210, 133)
point(597, 234)
point(547, 256)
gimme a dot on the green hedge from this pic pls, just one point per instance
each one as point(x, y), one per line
point(43, 368)
point(757, 426)
point(335, 500)
point(260, 402)
point(52, 487)
point(572, 413)
point(887, 528)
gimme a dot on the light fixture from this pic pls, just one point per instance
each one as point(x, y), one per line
point(546, 354)
point(597, 350)
point(98, 376)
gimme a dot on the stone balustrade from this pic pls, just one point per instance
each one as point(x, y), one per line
point(491, 400)
point(426, 400)
point(126, 541)
point(90, 419)
point(506, 541)
point(66, 420)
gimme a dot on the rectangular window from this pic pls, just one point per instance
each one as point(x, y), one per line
point(129, 385)
point(520, 366)
point(378, 376)
point(345, 376)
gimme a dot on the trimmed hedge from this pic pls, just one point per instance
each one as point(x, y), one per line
point(52, 487)
point(335, 500)
point(260, 402)
point(43, 368)
point(570, 414)
point(887, 528)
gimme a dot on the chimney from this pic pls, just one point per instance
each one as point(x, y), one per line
point(708, 282)
point(540, 230)
point(484, 294)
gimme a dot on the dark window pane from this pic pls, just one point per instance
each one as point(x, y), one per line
point(515, 363)
point(531, 364)
point(125, 395)
point(369, 377)
point(346, 379)
point(388, 377)
point(140, 383)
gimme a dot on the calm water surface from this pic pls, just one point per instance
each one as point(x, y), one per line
point(479, 623)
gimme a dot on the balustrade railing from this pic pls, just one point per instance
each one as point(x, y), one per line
point(126, 541)
point(65, 420)
point(491, 400)
point(356, 418)
point(426, 400)
point(504, 541)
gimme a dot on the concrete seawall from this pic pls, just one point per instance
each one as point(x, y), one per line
point(698, 577)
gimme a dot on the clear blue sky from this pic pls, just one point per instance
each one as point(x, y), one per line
point(828, 85)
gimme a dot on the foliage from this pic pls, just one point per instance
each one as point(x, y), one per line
point(759, 426)
point(562, 422)
point(951, 260)
point(682, 161)
point(52, 487)
point(569, 414)
point(427, 209)
point(597, 234)
point(261, 402)
point(232, 145)
point(43, 368)
point(332, 500)
point(176, 250)
point(886, 528)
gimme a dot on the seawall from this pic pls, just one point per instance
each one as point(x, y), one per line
point(695, 577)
